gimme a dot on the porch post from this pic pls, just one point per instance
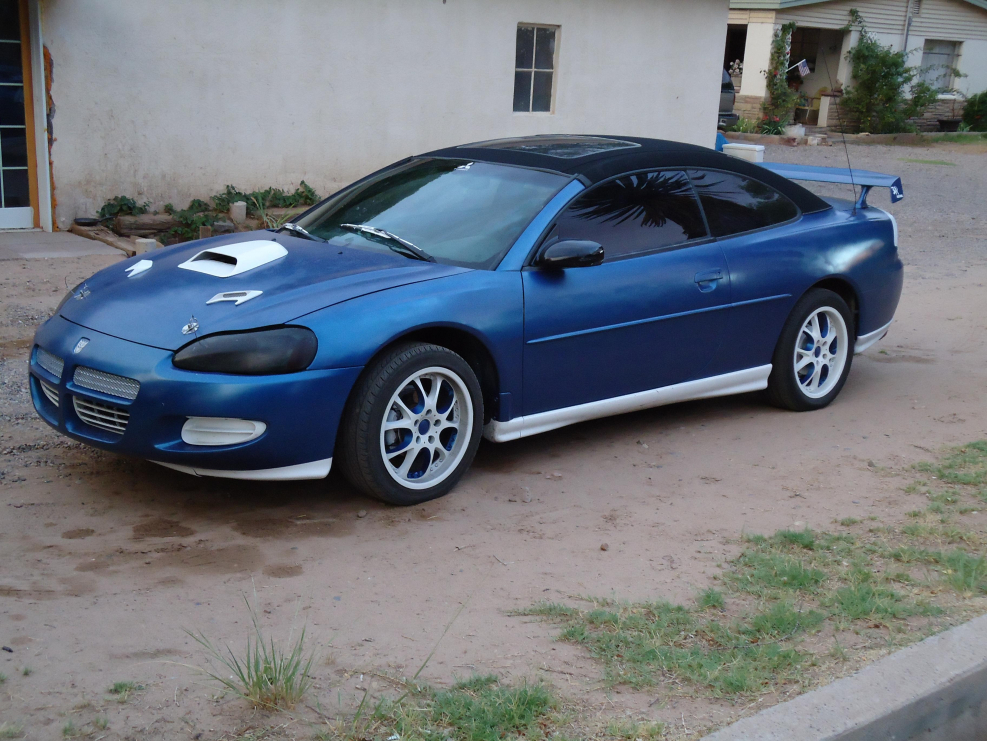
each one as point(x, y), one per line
point(40, 99)
point(757, 59)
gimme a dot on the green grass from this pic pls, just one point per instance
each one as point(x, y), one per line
point(631, 731)
point(101, 723)
point(3, 677)
point(27, 671)
point(481, 708)
point(266, 674)
point(761, 571)
point(848, 521)
point(11, 730)
point(711, 599)
point(929, 162)
point(70, 730)
point(641, 644)
point(959, 138)
point(965, 465)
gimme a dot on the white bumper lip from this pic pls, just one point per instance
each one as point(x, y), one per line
point(299, 472)
point(865, 341)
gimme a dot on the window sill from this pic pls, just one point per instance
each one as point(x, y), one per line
point(533, 113)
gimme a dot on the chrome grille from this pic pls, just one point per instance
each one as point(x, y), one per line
point(51, 363)
point(106, 383)
point(50, 391)
point(103, 416)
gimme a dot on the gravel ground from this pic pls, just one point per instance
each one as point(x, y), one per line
point(106, 560)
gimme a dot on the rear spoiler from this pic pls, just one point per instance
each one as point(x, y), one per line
point(864, 178)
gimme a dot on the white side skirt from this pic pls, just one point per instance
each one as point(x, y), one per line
point(738, 382)
point(313, 470)
point(871, 338)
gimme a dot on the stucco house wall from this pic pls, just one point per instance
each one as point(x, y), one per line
point(169, 100)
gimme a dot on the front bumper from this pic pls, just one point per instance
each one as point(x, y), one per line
point(301, 410)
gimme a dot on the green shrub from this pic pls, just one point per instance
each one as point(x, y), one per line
point(780, 102)
point(878, 99)
point(122, 206)
point(975, 113)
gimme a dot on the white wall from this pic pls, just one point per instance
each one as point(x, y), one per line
point(170, 100)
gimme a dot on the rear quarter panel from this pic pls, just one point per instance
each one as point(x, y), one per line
point(771, 270)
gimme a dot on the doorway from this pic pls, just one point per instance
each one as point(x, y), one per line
point(18, 164)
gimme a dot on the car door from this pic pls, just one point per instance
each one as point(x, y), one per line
point(646, 317)
point(748, 219)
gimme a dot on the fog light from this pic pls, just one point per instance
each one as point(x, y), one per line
point(220, 430)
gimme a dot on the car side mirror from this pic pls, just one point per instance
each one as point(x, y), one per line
point(571, 253)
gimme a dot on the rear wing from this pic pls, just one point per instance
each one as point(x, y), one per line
point(864, 178)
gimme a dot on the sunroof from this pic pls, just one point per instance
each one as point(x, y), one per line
point(564, 147)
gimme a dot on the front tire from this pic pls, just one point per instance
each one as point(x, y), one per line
point(413, 425)
point(814, 353)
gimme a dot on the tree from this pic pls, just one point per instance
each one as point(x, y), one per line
point(884, 94)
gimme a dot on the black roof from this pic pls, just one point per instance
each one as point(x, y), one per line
point(596, 158)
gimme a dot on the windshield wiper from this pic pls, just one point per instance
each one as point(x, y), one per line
point(409, 249)
point(298, 230)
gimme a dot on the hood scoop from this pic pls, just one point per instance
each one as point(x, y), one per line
point(228, 260)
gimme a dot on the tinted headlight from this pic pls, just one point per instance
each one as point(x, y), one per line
point(258, 353)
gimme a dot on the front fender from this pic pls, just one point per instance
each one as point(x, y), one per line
point(486, 304)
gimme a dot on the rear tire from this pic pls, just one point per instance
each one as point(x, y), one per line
point(814, 353)
point(412, 425)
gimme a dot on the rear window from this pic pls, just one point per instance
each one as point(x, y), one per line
point(735, 204)
point(635, 213)
point(564, 146)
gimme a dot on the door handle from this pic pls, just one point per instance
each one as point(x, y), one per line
point(708, 276)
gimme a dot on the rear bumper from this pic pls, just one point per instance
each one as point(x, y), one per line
point(726, 120)
point(301, 410)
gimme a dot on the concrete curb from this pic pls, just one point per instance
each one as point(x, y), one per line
point(936, 689)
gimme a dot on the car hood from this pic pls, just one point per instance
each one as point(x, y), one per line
point(152, 305)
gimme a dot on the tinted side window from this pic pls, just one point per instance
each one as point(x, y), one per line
point(735, 204)
point(635, 213)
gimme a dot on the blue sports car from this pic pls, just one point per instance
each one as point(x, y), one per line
point(496, 289)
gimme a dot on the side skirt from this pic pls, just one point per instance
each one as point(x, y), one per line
point(299, 472)
point(865, 341)
point(738, 382)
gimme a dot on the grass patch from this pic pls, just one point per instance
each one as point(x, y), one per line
point(965, 465)
point(630, 731)
point(959, 138)
point(929, 162)
point(848, 521)
point(27, 671)
point(711, 599)
point(11, 730)
point(480, 709)
point(266, 674)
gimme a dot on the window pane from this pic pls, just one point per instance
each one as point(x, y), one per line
point(15, 189)
point(545, 49)
point(735, 204)
point(13, 147)
point(11, 105)
point(10, 25)
point(524, 55)
point(10, 63)
point(635, 213)
point(542, 99)
point(461, 212)
point(522, 91)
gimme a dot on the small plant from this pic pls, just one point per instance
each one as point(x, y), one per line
point(199, 213)
point(70, 730)
point(3, 677)
point(27, 671)
point(745, 126)
point(630, 731)
point(11, 730)
point(101, 723)
point(772, 126)
point(848, 521)
point(122, 206)
point(975, 113)
point(711, 599)
point(266, 675)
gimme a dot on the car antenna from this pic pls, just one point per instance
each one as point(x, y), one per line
point(839, 119)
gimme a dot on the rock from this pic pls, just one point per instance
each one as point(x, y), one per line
point(223, 227)
point(362, 513)
point(605, 547)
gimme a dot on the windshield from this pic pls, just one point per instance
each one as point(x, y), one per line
point(459, 212)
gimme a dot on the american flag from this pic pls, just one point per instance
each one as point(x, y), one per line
point(803, 67)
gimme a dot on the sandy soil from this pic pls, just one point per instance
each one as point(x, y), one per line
point(104, 561)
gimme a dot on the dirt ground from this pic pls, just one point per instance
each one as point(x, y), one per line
point(104, 561)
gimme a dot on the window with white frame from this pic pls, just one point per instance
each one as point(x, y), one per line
point(938, 61)
point(534, 68)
